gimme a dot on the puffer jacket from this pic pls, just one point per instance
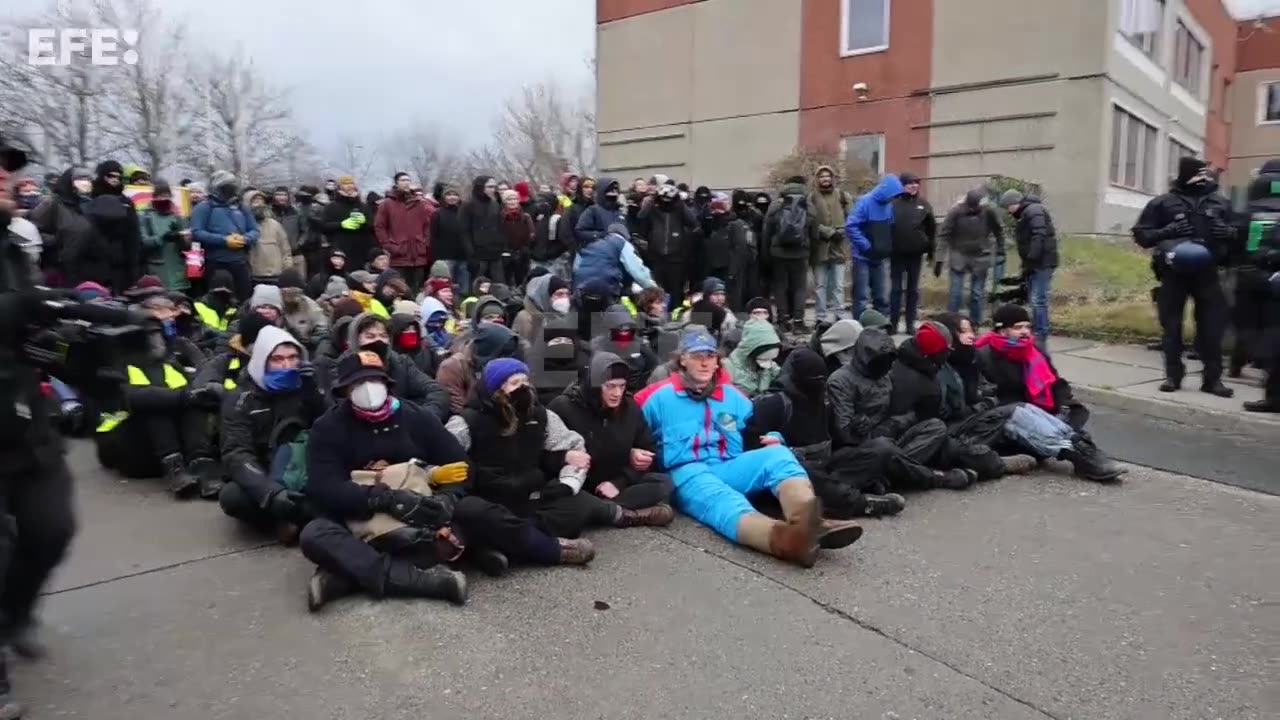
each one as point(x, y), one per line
point(966, 234)
point(481, 218)
point(271, 255)
point(1037, 239)
point(860, 393)
point(595, 220)
point(403, 229)
point(915, 383)
point(669, 229)
point(216, 218)
point(870, 225)
point(757, 336)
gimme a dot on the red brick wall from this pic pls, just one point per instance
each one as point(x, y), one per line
point(1258, 48)
point(1222, 31)
point(610, 10)
point(828, 108)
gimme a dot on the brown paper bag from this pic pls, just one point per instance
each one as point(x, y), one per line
point(401, 476)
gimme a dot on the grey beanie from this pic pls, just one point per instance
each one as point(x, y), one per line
point(222, 177)
point(1011, 198)
point(266, 295)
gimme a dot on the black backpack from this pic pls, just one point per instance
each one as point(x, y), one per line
point(793, 222)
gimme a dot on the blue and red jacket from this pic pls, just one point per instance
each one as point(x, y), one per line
point(691, 430)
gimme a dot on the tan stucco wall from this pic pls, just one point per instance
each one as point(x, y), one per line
point(1251, 143)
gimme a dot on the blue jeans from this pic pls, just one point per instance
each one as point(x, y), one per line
point(828, 283)
point(461, 275)
point(997, 271)
point(870, 276)
point(1038, 283)
point(977, 293)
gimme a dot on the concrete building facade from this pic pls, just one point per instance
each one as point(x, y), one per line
point(1095, 107)
point(1255, 99)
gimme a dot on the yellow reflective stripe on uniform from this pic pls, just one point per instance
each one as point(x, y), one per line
point(630, 306)
point(232, 367)
point(377, 309)
point(209, 317)
point(173, 379)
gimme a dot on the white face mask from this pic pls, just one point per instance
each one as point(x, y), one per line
point(766, 359)
point(369, 395)
point(83, 186)
point(560, 305)
point(844, 356)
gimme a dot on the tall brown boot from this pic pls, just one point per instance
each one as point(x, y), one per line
point(796, 540)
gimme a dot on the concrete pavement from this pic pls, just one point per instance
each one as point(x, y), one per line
point(1041, 597)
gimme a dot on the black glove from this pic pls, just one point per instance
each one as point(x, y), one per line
point(207, 397)
point(1177, 229)
point(554, 490)
point(937, 269)
point(1223, 231)
point(285, 505)
point(410, 508)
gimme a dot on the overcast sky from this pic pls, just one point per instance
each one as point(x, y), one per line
point(1253, 8)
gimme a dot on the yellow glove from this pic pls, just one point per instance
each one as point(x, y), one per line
point(450, 474)
point(235, 241)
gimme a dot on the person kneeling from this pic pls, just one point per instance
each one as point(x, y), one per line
point(698, 419)
point(515, 445)
point(361, 478)
point(599, 408)
point(260, 421)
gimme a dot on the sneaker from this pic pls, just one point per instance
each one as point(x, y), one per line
point(880, 505)
point(576, 552)
point(1019, 464)
point(657, 516)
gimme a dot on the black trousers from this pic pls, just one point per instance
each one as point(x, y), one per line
point(1205, 290)
point(904, 288)
point(481, 524)
point(568, 517)
point(414, 277)
point(495, 270)
point(241, 279)
point(135, 448)
point(1249, 317)
point(790, 284)
point(638, 491)
point(37, 523)
point(672, 275)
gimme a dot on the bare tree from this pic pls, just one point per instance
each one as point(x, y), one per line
point(543, 131)
point(154, 111)
point(421, 151)
point(61, 107)
point(357, 157)
point(240, 123)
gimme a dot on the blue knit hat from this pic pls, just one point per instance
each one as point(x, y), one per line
point(498, 371)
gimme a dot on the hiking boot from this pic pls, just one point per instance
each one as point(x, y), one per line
point(325, 587)
point(1262, 406)
point(489, 561)
point(576, 552)
point(657, 516)
point(1171, 385)
point(1019, 464)
point(796, 540)
point(438, 582)
point(209, 474)
point(891, 504)
point(1218, 389)
point(1090, 463)
point(836, 534)
point(181, 483)
point(957, 479)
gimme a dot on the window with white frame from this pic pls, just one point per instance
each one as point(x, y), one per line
point(1133, 151)
point(1140, 24)
point(867, 149)
point(864, 26)
point(1269, 103)
point(1177, 151)
point(1188, 60)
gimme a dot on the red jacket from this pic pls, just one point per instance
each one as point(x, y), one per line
point(403, 228)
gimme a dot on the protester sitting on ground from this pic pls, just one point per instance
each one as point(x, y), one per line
point(901, 447)
point(161, 429)
point(362, 285)
point(547, 299)
point(303, 316)
point(216, 308)
point(1017, 428)
point(697, 418)
point(441, 290)
point(278, 401)
point(620, 338)
point(872, 319)
point(797, 410)
point(378, 261)
point(711, 310)
point(523, 457)
point(458, 373)
point(918, 391)
point(336, 267)
point(480, 287)
point(835, 345)
point(372, 333)
point(1009, 359)
point(601, 409)
point(487, 309)
point(437, 325)
point(389, 485)
point(409, 341)
point(753, 365)
point(556, 360)
point(267, 301)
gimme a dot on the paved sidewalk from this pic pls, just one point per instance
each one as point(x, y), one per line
point(1128, 377)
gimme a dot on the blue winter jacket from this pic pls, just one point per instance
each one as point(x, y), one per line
point(594, 222)
point(213, 220)
point(690, 430)
point(869, 226)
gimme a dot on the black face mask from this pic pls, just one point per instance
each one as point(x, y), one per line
point(962, 355)
point(522, 399)
point(377, 346)
point(229, 192)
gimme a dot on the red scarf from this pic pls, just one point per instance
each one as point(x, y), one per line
point(1036, 373)
point(379, 415)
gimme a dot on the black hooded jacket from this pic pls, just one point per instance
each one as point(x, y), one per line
point(449, 240)
point(860, 393)
point(670, 228)
point(547, 242)
point(798, 413)
point(1035, 235)
point(116, 222)
point(71, 240)
point(595, 220)
point(569, 218)
point(915, 383)
point(481, 219)
point(355, 243)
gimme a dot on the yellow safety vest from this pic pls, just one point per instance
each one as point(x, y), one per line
point(172, 378)
point(680, 311)
point(377, 309)
point(630, 306)
point(210, 317)
point(232, 370)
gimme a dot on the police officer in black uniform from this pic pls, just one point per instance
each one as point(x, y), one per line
point(1190, 231)
point(1258, 284)
point(36, 518)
